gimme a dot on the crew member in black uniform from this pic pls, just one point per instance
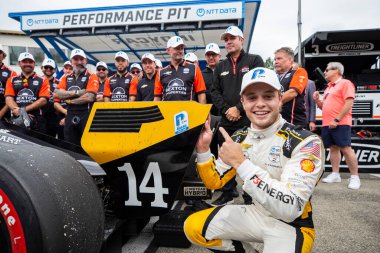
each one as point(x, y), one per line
point(48, 110)
point(28, 91)
point(5, 73)
point(117, 89)
point(78, 90)
point(293, 85)
point(225, 94)
point(145, 87)
point(180, 80)
point(102, 73)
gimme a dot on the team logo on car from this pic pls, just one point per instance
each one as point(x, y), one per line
point(307, 165)
point(181, 122)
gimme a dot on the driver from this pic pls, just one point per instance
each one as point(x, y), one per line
point(280, 166)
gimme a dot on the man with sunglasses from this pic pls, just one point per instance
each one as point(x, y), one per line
point(336, 106)
point(144, 91)
point(136, 71)
point(179, 81)
point(5, 74)
point(117, 89)
point(78, 91)
point(49, 112)
point(26, 94)
point(225, 90)
point(102, 74)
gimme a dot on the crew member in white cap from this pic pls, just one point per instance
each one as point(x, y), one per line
point(136, 70)
point(225, 90)
point(279, 172)
point(102, 74)
point(179, 80)
point(28, 93)
point(212, 56)
point(120, 83)
point(67, 68)
point(144, 91)
point(78, 90)
point(5, 74)
point(48, 68)
point(158, 64)
point(191, 57)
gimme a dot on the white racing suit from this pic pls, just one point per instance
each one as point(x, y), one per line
point(280, 173)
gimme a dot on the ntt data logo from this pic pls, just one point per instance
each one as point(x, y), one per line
point(201, 11)
point(29, 22)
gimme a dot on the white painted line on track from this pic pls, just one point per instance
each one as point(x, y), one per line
point(141, 242)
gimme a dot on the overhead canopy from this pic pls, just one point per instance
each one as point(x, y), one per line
point(137, 29)
point(357, 50)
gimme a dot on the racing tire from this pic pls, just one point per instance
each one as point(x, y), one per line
point(48, 203)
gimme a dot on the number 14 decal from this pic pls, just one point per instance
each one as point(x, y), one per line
point(157, 189)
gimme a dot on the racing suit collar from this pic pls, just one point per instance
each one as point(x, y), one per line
point(264, 133)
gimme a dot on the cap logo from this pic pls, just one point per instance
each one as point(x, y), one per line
point(229, 29)
point(257, 73)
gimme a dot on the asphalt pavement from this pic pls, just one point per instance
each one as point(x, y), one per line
point(345, 220)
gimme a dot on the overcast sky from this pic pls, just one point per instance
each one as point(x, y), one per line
point(276, 24)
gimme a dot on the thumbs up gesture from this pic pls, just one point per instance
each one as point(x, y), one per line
point(231, 152)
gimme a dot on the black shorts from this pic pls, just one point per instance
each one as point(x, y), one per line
point(339, 136)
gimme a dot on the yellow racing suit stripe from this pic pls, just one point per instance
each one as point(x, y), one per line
point(210, 176)
point(194, 226)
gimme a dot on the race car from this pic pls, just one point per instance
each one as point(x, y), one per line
point(134, 156)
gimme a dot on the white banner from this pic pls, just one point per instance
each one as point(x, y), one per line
point(134, 16)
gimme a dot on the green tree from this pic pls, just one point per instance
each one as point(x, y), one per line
point(269, 63)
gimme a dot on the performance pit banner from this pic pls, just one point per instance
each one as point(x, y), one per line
point(134, 16)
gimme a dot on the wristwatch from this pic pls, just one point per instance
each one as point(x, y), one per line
point(336, 120)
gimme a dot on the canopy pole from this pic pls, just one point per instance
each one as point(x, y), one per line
point(299, 23)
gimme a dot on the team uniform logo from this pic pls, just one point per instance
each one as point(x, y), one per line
point(118, 95)
point(25, 96)
point(274, 154)
point(307, 165)
point(175, 87)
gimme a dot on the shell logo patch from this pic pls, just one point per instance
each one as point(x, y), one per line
point(307, 165)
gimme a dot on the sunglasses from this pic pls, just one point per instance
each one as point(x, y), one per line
point(327, 70)
point(101, 69)
point(48, 67)
point(135, 72)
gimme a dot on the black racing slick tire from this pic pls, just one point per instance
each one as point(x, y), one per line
point(48, 202)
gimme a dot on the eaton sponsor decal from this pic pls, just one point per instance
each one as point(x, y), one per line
point(350, 47)
point(195, 191)
point(368, 156)
point(181, 122)
point(12, 221)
